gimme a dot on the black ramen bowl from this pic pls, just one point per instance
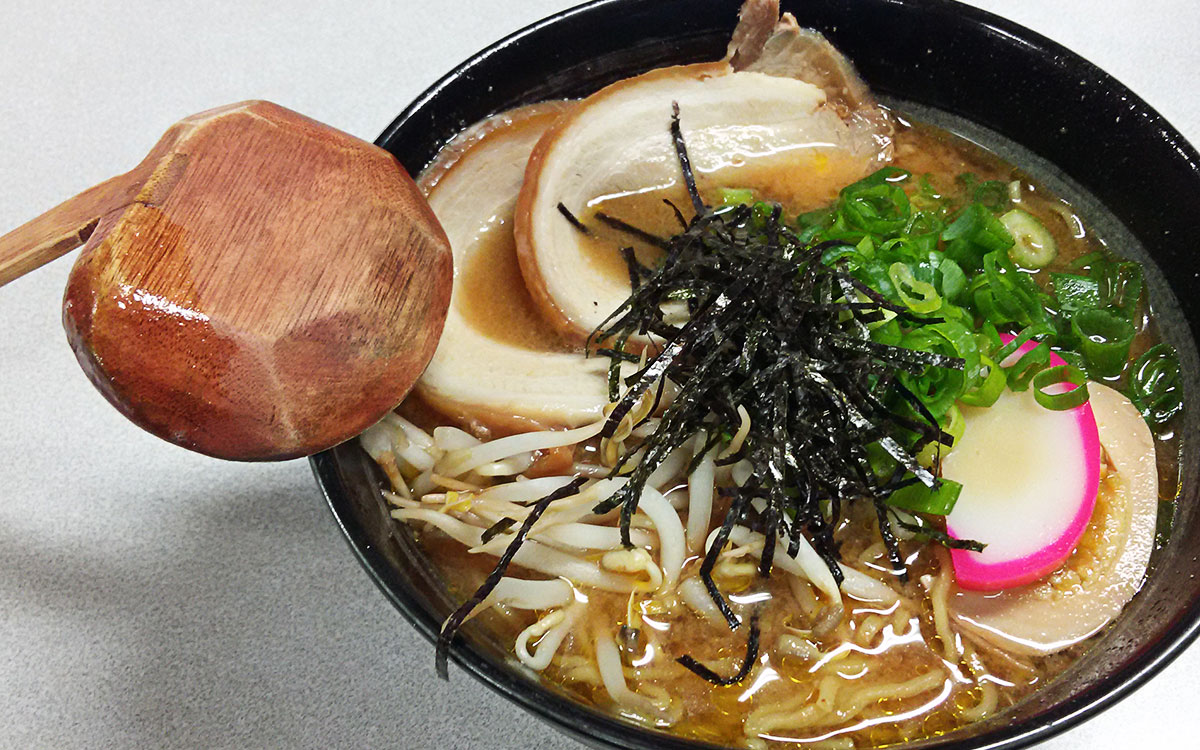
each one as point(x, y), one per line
point(1131, 175)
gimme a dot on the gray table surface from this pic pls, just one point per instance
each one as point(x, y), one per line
point(154, 598)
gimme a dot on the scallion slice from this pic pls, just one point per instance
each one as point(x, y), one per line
point(878, 209)
point(1022, 372)
point(736, 196)
point(953, 424)
point(990, 389)
point(1074, 292)
point(1154, 384)
point(936, 501)
point(1063, 400)
point(919, 296)
point(1033, 245)
point(978, 225)
point(1104, 340)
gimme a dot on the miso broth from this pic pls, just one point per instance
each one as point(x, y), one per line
point(874, 675)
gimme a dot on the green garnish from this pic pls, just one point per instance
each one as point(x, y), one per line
point(921, 499)
point(1074, 292)
point(987, 392)
point(736, 196)
point(953, 426)
point(926, 299)
point(1058, 375)
point(973, 234)
point(1104, 338)
point(1155, 388)
point(1033, 245)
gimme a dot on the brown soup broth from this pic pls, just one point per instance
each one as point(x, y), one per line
point(860, 664)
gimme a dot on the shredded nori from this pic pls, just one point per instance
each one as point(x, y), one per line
point(774, 330)
point(685, 162)
point(747, 663)
point(496, 529)
point(572, 220)
point(459, 616)
point(631, 230)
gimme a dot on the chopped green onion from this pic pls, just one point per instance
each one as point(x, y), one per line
point(990, 389)
point(1074, 292)
point(1003, 294)
point(1033, 245)
point(925, 224)
point(838, 252)
point(1058, 375)
point(1025, 369)
point(965, 253)
point(887, 331)
point(954, 425)
point(882, 463)
point(954, 281)
point(1154, 384)
point(878, 209)
point(989, 337)
point(993, 194)
point(927, 196)
point(736, 196)
point(1104, 340)
point(1023, 337)
point(979, 226)
point(1121, 287)
point(927, 299)
point(936, 501)
point(1021, 371)
point(1119, 282)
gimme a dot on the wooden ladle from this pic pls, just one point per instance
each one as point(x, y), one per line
point(260, 287)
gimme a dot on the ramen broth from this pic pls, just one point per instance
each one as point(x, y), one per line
point(881, 675)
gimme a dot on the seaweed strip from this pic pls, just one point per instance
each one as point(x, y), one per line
point(747, 663)
point(575, 222)
point(619, 354)
point(496, 529)
point(631, 230)
point(678, 214)
point(931, 532)
point(710, 558)
point(774, 329)
point(459, 616)
point(890, 543)
point(631, 265)
point(685, 163)
point(770, 532)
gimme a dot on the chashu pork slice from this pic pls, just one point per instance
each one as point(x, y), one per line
point(498, 368)
point(748, 121)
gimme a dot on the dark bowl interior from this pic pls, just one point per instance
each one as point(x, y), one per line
point(1132, 174)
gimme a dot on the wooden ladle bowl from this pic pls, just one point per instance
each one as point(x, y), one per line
point(260, 287)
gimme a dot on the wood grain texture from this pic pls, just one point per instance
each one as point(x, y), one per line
point(66, 227)
point(274, 289)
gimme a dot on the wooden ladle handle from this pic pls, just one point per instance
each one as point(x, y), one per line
point(66, 226)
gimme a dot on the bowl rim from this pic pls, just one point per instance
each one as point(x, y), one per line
point(596, 727)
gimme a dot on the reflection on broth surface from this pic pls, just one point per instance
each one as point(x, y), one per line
point(825, 171)
point(886, 664)
point(495, 301)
